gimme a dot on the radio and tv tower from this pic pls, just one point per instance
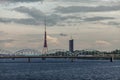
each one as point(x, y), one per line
point(45, 46)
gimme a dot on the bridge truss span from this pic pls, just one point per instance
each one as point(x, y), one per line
point(27, 52)
point(4, 52)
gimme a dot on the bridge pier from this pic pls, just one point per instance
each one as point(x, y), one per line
point(29, 60)
point(111, 59)
point(43, 58)
point(13, 58)
point(72, 59)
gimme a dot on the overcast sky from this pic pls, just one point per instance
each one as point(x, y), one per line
point(93, 24)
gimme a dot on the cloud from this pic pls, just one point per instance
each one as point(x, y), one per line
point(97, 18)
point(32, 12)
point(52, 39)
point(20, 0)
point(7, 41)
point(33, 38)
point(28, 21)
point(77, 9)
point(5, 20)
point(2, 33)
point(102, 43)
point(116, 41)
point(86, 0)
point(36, 17)
point(113, 23)
point(62, 34)
point(39, 16)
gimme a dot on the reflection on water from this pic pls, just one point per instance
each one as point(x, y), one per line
point(59, 69)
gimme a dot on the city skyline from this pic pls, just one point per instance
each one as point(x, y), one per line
point(94, 24)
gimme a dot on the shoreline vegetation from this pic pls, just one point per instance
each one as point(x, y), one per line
point(85, 52)
point(89, 54)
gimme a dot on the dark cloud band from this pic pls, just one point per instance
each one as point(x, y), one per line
point(77, 9)
point(23, 0)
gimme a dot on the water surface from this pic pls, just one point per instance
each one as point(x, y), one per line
point(59, 69)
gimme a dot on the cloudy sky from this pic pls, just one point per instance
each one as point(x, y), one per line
point(94, 24)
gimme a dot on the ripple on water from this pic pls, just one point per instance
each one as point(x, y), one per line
point(61, 70)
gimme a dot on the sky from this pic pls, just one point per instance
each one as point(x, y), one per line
point(93, 24)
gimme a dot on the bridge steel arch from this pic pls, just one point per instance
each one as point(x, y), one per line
point(4, 52)
point(27, 52)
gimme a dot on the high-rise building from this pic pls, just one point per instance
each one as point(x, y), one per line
point(71, 45)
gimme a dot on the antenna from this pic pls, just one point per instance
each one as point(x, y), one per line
point(71, 36)
point(45, 23)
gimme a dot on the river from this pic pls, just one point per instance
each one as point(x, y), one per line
point(59, 69)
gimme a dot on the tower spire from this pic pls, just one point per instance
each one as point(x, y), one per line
point(45, 47)
point(71, 36)
point(45, 23)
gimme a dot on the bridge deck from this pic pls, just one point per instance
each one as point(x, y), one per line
point(55, 57)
